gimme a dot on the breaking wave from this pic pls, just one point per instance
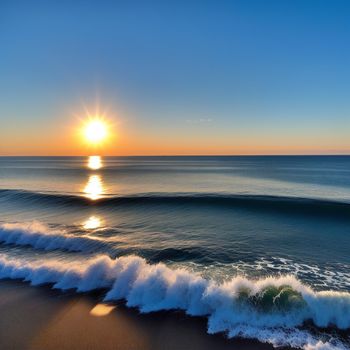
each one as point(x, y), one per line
point(40, 236)
point(272, 310)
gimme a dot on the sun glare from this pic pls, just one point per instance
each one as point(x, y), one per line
point(92, 222)
point(94, 187)
point(95, 131)
point(94, 162)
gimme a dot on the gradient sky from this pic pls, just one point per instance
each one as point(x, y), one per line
point(177, 77)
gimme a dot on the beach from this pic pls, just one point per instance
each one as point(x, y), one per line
point(39, 318)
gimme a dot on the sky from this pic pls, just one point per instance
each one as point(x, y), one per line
point(176, 77)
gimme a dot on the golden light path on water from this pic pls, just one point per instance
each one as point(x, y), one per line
point(92, 222)
point(94, 190)
point(94, 187)
point(94, 162)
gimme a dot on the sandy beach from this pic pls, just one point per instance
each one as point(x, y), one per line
point(39, 318)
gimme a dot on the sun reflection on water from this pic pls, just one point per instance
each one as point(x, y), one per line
point(94, 187)
point(95, 162)
point(92, 222)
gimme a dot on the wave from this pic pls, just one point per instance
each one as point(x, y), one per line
point(298, 205)
point(272, 310)
point(196, 258)
point(40, 236)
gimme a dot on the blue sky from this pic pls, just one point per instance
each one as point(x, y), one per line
point(178, 77)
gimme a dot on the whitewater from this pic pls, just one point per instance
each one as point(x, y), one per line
point(271, 310)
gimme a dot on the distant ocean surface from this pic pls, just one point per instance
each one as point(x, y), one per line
point(258, 245)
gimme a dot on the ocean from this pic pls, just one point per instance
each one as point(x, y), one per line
point(259, 245)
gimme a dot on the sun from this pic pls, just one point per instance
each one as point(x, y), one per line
point(96, 130)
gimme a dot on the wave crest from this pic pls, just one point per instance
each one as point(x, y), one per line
point(40, 236)
point(295, 205)
point(269, 309)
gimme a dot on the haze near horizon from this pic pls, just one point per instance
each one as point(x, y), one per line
point(241, 77)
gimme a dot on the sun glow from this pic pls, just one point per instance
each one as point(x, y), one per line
point(95, 130)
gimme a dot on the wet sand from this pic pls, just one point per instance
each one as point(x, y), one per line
point(38, 318)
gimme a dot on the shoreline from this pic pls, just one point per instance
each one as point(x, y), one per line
point(40, 318)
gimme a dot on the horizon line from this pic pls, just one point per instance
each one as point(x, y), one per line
point(192, 155)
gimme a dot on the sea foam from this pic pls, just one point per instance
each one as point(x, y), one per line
point(270, 309)
point(40, 236)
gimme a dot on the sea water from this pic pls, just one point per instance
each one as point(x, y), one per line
point(258, 245)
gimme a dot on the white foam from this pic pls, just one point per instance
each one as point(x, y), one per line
point(333, 276)
point(157, 287)
point(41, 236)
